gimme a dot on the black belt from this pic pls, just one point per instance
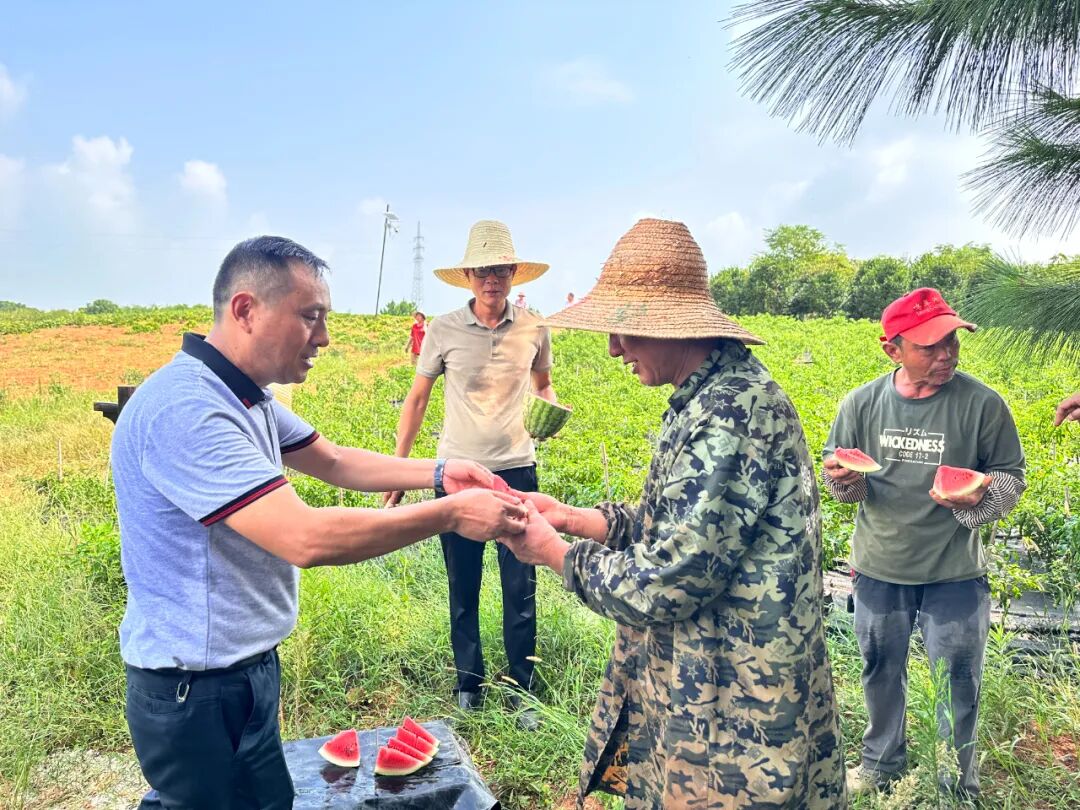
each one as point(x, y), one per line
point(243, 663)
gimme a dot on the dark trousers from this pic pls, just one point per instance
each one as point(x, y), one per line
point(955, 621)
point(464, 560)
point(210, 739)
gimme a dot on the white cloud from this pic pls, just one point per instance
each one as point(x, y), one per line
point(585, 81)
point(11, 187)
point(204, 180)
point(729, 225)
point(729, 239)
point(787, 192)
point(891, 164)
point(12, 94)
point(96, 176)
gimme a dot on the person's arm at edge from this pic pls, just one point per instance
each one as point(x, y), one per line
point(282, 524)
point(542, 387)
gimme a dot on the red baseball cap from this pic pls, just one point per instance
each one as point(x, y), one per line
point(921, 316)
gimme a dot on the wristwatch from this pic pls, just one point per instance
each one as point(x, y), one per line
point(440, 467)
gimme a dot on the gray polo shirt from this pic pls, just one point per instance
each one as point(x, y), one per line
point(488, 373)
point(196, 442)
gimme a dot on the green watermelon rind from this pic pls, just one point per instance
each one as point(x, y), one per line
point(544, 419)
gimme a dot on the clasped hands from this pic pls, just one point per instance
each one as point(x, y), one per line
point(484, 507)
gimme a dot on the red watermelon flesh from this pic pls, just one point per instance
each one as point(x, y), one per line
point(956, 482)
point(342, 749)
point(411, 725)
point(399, 744)
point(855, 459)
point(425, 748)
point(391, 762)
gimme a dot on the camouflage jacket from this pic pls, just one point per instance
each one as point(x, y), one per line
point(718, 692)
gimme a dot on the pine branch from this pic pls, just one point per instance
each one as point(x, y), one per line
point(1032, 181)
point(1033, 313)
point(822, 63)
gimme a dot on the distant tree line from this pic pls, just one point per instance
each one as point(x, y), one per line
point(802, 274)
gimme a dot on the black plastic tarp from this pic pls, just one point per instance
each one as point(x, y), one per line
point(449, 782)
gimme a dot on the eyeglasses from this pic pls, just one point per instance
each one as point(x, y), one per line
point(500, 271)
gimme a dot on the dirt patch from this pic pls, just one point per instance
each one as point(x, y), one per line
point(1066, 750)
point(85, 358)
point(80, 780)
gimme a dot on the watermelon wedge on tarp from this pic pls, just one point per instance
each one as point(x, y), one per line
point(427, 750)
point(412, 726)
point(855, 459)
point(400, 744)
point(956, 482)
point(391, 762)
point(342, 749)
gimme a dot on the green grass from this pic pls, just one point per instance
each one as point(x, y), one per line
point(372, 639)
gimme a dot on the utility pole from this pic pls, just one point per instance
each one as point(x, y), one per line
point(418, 270)
point(389, 221)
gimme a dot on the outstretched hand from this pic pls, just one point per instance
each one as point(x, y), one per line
point(964, 501)
point(481, 514)
point(1068, 410)
point(839, 473)
point(539, 544)
point(552, 510)
point(460, 474)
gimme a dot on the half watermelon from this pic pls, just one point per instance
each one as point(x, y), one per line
point(392, 762)
point(342, 749)
point(855, 459)
point(956, 482)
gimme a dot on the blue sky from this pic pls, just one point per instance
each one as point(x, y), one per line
point(139, 142)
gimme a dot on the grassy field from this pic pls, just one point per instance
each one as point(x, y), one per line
point(372, 641)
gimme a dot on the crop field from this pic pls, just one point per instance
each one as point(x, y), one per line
point(372, 643)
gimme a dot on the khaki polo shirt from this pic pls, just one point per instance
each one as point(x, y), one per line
point(488, 374)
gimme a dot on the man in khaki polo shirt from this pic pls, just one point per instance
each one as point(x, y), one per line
point(492, 354)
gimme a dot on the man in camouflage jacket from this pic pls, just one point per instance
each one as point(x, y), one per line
point(718, 692)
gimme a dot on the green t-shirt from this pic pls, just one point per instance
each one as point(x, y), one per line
point(901, 534)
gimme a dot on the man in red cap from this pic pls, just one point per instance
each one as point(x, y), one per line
point(917, 557)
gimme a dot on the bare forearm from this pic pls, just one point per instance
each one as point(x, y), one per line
point(366, 471)
point(547, 392)
point(339, 535)
point(412, 416)
point(588, 523)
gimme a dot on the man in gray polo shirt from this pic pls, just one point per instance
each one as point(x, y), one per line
point(212, 534)
point(491, 354)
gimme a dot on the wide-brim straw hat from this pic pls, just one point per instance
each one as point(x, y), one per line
point(654, 284)
point(489, 245)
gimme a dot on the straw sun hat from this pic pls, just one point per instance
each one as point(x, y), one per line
point(654, 284)
point(490, 244)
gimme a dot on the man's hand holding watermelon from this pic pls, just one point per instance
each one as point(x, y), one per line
point(839, 473)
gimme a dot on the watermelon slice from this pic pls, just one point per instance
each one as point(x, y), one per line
point(427, 750)
point(399, 744)
point(342, 749)
point(411, 725)
point(391, 762)
point(855, 459)
point(956, 482)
